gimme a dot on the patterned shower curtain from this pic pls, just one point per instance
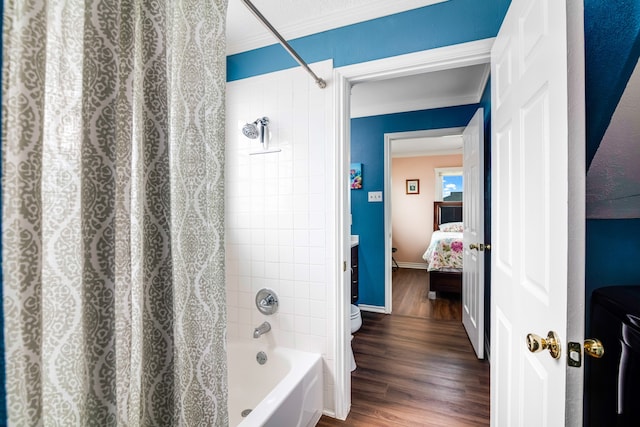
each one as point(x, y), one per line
point(113, 158)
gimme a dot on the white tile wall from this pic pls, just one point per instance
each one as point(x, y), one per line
point(280, 230)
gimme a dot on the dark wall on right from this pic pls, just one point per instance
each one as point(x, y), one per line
point(612, 49)
point(612, 255)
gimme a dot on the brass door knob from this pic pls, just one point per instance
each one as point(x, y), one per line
point(594, 348)
point(536, 343)
point(479, 246)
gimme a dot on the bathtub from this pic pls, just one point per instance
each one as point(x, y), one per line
point(286, 391)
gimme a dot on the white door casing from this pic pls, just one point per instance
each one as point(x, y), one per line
point(538, 175)
point(473, 217)
point(465, 54)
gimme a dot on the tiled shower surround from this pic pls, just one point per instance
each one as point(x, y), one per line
point(280, 212)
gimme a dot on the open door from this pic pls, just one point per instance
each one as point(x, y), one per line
point(473, 236)
point(538, 173)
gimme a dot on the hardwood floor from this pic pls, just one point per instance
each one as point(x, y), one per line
point(411, 297)
point(416, 369)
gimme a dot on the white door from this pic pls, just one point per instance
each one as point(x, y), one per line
point(473, 237)
point(537, 254)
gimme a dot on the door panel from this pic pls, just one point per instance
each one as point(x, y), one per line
point(502, 399)
point(533, 198)
point(473, 215)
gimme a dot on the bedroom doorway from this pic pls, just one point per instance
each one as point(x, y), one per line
point(420, 157)
point(428, 156)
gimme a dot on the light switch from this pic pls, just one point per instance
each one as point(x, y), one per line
point(375, 196)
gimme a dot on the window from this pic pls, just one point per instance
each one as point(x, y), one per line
point(449, 184)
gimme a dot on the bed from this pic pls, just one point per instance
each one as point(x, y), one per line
point(444, 254)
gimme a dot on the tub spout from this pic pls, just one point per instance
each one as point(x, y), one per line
point(262, 329)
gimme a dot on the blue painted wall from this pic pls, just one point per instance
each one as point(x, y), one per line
point(442, 24)
point(612, 254)
point(367, 147)
point(612, 48)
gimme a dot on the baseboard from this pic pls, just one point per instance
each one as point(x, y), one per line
point(372, 308)
point(330, 414)
point(414, 265)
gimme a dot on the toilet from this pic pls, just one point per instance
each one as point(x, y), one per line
point(356, 323)
point(356, 318)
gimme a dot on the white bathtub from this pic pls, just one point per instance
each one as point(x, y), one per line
point(286, 391)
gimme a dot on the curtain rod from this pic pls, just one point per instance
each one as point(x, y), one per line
point(321, 83)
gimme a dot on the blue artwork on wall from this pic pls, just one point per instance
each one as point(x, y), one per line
point(355, 176)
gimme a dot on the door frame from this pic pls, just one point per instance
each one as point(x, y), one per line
point(389, 139)
point(464, 54)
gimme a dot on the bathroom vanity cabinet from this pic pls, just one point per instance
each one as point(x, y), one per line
point(354, 274)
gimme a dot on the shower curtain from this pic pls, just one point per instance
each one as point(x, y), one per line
point(113, 157)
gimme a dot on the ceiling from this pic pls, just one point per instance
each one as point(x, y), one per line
point(446, 88)
point(440, 142)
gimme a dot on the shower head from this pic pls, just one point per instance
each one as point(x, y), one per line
point(251, 131)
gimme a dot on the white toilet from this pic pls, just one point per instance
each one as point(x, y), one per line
point(356, 323)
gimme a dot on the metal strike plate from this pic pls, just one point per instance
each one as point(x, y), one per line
point(574, 355)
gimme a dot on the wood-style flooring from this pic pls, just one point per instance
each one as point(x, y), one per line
point(411, 297)
point(417, 368)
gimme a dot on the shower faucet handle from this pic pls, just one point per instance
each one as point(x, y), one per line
point(267, 301)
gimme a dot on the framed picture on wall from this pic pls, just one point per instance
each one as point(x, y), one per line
point(413, 186)
point(355, 176)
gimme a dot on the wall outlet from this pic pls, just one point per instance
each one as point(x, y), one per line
point(375, 196)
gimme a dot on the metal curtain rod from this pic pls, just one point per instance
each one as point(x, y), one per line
point(321, 83)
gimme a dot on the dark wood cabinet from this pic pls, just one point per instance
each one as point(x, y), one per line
point(354, 274)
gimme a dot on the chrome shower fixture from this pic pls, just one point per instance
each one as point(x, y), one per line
point(255, 129)
point(321, 83)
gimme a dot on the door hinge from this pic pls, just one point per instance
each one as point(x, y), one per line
point(344, 265)
point(574, 355)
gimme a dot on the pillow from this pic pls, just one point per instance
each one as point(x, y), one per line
point(452, 227)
